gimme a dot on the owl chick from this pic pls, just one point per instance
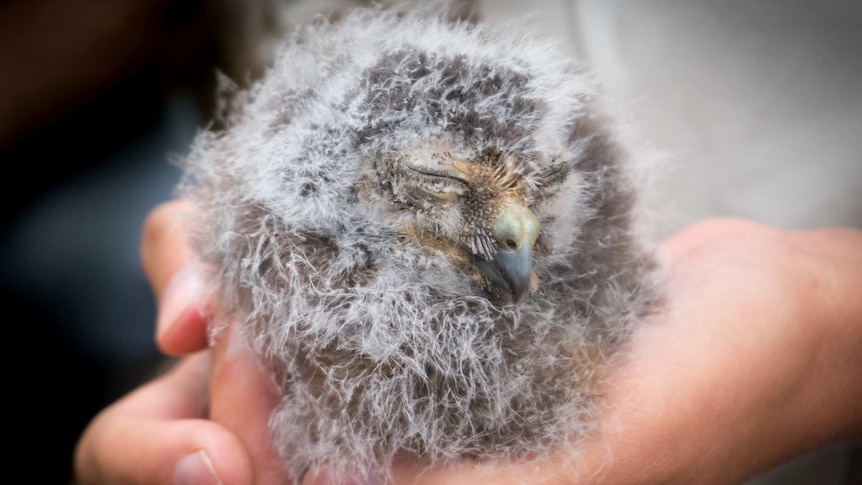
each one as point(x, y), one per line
point(432, 236)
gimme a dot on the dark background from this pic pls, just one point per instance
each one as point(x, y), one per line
point(96, 96)
point(97, 99)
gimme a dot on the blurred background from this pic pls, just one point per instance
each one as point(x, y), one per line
point(757, 105)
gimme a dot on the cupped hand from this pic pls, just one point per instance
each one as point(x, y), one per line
point(754, 359)
point(242, 395)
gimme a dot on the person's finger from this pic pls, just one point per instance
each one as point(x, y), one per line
point(708, 231)
point(159, 435)
point(163, 243)
point(243, 398)
point(176, 283)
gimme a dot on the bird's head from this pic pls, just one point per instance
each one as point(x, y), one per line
point(475, 209)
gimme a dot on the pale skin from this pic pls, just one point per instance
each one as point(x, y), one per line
point(756, 360)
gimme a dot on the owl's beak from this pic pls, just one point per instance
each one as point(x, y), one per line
point(515, 230)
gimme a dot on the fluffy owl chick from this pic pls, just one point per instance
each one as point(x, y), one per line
point(430, 234)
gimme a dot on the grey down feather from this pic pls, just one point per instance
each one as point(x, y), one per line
point(384, 346)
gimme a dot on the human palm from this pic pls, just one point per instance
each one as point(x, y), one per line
point(754, 359)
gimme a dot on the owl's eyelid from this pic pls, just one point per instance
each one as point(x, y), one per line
point(447, 195)
point(440, 172)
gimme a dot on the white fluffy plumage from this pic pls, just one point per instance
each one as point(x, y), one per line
point(385, 345)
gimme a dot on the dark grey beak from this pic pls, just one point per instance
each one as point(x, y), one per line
point(511, 270)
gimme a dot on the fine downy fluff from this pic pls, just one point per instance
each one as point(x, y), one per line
point(384, 345)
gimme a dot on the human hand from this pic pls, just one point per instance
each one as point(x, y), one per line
point(754, 361)
point(161, 432)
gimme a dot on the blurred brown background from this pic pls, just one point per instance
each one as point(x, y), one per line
point(94, 95)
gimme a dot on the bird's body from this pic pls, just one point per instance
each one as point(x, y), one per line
point(432, 236)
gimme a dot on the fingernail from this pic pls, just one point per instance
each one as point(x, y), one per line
point(185, 289)
point(196, 469)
